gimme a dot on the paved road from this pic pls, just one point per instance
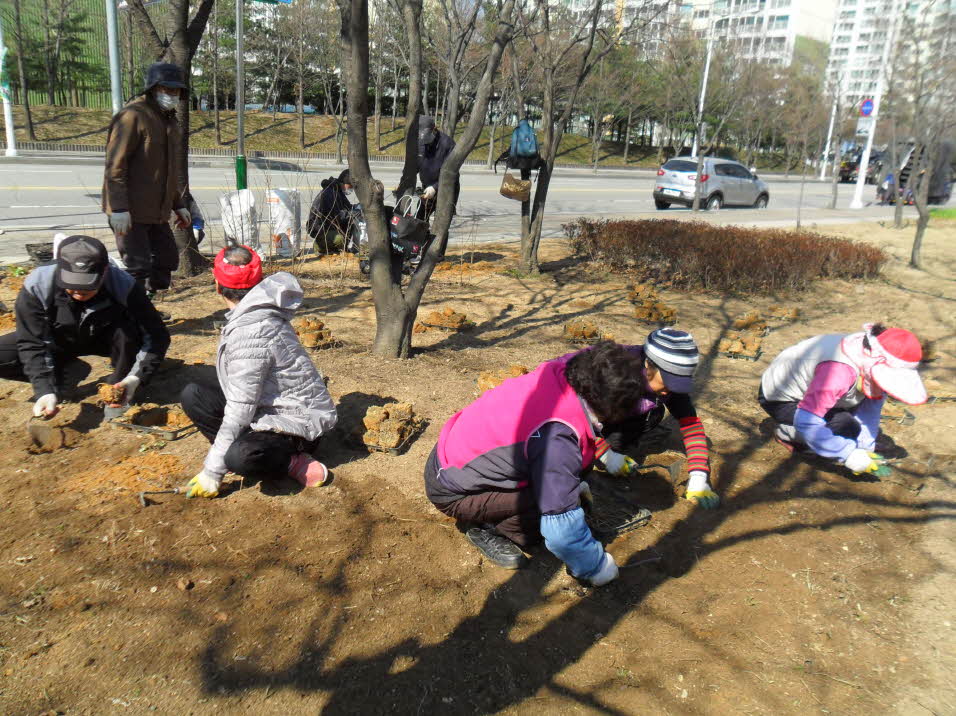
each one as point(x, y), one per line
point(38, 199)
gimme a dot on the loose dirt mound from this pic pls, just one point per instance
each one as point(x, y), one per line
point(151, 415)
point(44, 438)
point(8, 322)
point(489, 379)
point(456, 269)
point(109, 393)
point(641, 292)
point(146, 471)
point(388, 426)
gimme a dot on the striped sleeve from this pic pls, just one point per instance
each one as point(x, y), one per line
point(695, 443)
point(600, 447)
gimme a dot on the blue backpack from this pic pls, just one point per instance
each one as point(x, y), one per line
point(524, 142)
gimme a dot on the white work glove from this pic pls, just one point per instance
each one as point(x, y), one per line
point(203, 485)
point(860, 461)
point(700, 491)
point(182, 217)
point(130, 383)
point(46, 406)
point(608, 572)
point(619, 465)
point(121, 222)
point(429, 193)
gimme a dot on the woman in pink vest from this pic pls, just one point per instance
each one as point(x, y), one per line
point(826, 394)
point(509, 464)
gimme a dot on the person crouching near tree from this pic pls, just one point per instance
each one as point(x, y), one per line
point(669, 359)
point(827, 393)
point(508, 466)
point(271, 406)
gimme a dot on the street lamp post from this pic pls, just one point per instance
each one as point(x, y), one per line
point(863, 168)
point(112, 40)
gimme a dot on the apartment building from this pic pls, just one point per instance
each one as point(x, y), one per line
point(861, 30)
point(765, 29)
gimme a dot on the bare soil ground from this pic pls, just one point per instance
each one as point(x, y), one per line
point(806, 592)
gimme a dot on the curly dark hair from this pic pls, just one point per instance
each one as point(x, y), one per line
point(608, 377)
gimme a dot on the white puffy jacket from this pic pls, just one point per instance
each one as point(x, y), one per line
point(268, 378)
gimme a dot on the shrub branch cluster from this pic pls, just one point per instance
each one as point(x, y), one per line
point(696, 255)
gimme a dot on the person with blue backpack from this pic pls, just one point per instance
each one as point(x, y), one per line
point(523, 153)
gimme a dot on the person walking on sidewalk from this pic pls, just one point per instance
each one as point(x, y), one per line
point(826, 394)
point(271, 406)
point(508, 466)
point(78, 306)
point(141, 189)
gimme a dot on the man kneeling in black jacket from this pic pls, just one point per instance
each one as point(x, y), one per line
point(81, 306)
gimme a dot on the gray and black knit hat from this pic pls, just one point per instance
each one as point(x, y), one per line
point(675, 353)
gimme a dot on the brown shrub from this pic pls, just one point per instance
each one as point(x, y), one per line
point(695, 255)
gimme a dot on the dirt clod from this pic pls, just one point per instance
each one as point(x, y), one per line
point(743, 344)
point(651, 310)
point(45, 438)
point(184, 585)
point(448, 319)
point(388, 426)
point(751, 321)
point(109, 393)
point(313, 333)
point(489, 379)
point(783, 313)
point(152, 415)
point(579, 331)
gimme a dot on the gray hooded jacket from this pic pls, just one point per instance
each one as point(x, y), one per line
point(268, 378)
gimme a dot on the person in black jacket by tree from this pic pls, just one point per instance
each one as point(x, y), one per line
point(331, 212)
point(78, 306)
point(433, 149)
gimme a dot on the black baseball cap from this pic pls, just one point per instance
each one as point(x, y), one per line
point(81, 263)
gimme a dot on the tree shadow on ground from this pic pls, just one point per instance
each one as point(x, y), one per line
point(483, 669)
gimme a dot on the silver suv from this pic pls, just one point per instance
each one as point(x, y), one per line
point(722, 183)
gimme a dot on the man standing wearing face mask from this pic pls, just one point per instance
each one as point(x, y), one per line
point(141, 192)
point(433, 149)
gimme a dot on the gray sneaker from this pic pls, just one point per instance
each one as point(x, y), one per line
point(500, 551)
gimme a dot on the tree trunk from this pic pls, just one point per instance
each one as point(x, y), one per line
point(835, 179)
point(215, 71)
point(491, 143)
point(24, 86)
point(921, 164)
point(130, 63)
point(48, 60)
point(803, 179)
point(627, 135)
point(379, 85)
point(426, 91)
point(340, 128)
point(394, 98)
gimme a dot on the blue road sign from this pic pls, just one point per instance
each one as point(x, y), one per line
point(866, 108)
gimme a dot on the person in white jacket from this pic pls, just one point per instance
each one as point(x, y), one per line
point(271, 406)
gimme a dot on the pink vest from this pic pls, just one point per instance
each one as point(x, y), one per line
point(510, 413)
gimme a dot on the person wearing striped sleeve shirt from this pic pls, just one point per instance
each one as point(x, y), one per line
point(670, 357)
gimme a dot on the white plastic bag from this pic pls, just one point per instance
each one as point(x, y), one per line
point(240, 222)
point(285, 221)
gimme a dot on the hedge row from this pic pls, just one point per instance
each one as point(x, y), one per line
point(696, 255)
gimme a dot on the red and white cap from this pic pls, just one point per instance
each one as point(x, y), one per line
point(898, 353)
point(233, 276)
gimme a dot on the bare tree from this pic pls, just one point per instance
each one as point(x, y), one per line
point(24, 85)
point(928, 46)
point(564, 49)
point(395, 309)
point(183, 35)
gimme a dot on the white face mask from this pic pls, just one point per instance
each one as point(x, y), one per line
point(167, 101)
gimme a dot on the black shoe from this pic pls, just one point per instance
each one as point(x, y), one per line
point(500, 551)
point(887, 447)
